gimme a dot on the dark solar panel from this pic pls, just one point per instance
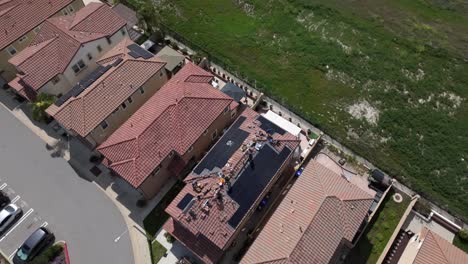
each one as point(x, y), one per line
point(117, 62)
point(233, 91)
point(252, 182)
point(270, 127)
point(225, 148)
point(83, 84)
point(184, 202)
point(137, 52)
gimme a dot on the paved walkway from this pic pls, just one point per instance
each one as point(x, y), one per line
point(77, 155)
point(74, 208)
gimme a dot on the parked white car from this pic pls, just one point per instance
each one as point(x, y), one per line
point(8, 215)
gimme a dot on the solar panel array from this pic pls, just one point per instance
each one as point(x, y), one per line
point(185, 201)
point(83, 84)
point(221, 152)
point(139, 52)
point(253, 180)
point(270, 127)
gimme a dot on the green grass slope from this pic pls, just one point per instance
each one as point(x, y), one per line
point(387, 78)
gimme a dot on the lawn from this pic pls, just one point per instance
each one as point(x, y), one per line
point(387, 78)
point(463, 245)
point(156, 219)
point(373, 241)
point(157, 251)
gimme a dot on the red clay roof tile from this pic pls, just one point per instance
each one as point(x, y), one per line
point(57, 42)
point(435, 249)
point(208, 234)
point(18, 17)
point(320, 210)
point(171, 120)
point(86, 111)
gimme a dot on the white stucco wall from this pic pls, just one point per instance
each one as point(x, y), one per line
point(69, 78)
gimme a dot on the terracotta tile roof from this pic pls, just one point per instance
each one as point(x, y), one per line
point(320, 210)
point(59, 40)
point(86, 111)
point(209, 232)
point(171, 120)
point(126, 13)
point(435, 249)
point(18, 17)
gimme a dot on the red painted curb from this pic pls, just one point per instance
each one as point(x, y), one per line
point(67, 257)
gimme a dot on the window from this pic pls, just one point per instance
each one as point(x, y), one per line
point(161, 74)
point(68, 10)
point(109, 41)
point(123, 31)
point(171, 154)
point(104, 124)
point(37, 29)
point(23, 38)
point(190, 149)
point(115, 110)
point(11, 50)
point(214, 135)
point(130, 100)
point(55, 80)
point(78, 66)
point(226, 109)
point(99, 48)
point(205, 132)
point(142, 90)
point(124, 105)
point(233, 114)
point(90, 57)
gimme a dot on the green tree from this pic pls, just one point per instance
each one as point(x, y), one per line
point(38, 107)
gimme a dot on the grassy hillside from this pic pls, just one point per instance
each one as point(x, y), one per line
point(389, 78)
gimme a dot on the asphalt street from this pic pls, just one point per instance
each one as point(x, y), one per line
point(73, 208)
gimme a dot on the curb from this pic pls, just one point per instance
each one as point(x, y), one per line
point(65, 250)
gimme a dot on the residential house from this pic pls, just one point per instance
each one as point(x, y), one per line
point(223, 191)
point(65, 50)
point(20, 20)
point(316, 222)
point(429, 247)
point(127, 76)
point(169, 132)
point(130, 16)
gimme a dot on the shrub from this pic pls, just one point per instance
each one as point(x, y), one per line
point(423, 207)
point(184, 51)
point(174, 46)
point(463, 234)
point(48, 255)
point(169, 237)
point(38, 107)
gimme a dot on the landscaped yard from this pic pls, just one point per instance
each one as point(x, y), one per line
point(379, 231)
point(457, 241)
point(387, 78)
point(157, 251)
point(156, 219)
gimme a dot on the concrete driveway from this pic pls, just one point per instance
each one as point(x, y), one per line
point(76, 210)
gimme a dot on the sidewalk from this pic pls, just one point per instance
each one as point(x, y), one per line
point(120, 192)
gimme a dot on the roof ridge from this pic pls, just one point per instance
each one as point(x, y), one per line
point(122, 161)
point(45, 43)
point(67, 32)
point(85, 17)
point(438, 245)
